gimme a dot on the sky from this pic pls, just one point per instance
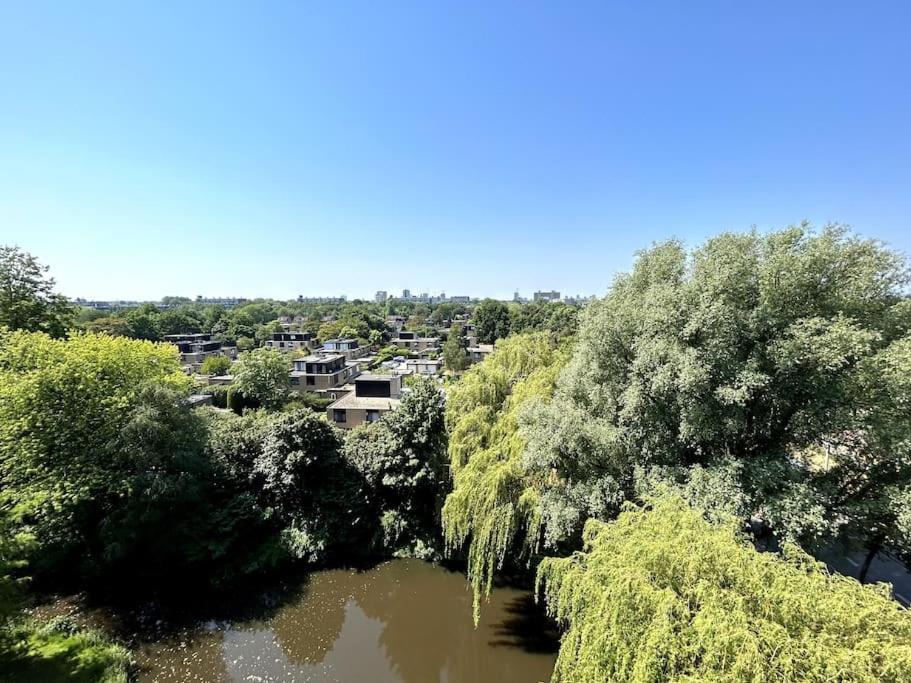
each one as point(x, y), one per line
point(279, 149)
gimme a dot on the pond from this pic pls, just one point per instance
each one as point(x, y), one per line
point(405, 621)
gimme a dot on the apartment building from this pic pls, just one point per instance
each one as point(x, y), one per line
point(293, 341)
point(321, 373)
point(373, 396)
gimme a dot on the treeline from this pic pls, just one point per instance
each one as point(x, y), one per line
point(763, 379)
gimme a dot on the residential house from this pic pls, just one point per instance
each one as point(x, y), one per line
point(423, 366)
point(294, 341)
point(195, 348)
point(349, 348)
point(373, 395)
point(320, 373)
point(478, 353)
point(412, 342)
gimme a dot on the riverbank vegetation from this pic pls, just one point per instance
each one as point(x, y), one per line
point(753, 392)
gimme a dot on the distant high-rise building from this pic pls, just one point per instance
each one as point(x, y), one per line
point(516, 297)
point(547, 296)
point(380, 296)
point(406, 293)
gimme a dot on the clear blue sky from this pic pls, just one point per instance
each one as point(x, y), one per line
point(284, 148)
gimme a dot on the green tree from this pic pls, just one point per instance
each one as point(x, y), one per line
point(263, 375)
point(402, 458)
point(215, 365)
point(785, 352)
point(64, 409)
point(493, 499)
point(317, 496)
point(491, 320)
point(661, 594)
point(27, 298)
point(455, 353)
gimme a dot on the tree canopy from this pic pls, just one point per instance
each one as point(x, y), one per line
point(660, 594)
point(27, 298)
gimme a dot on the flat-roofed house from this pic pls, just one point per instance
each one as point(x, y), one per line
point(478, 353)
point(349, 348)
point(195, 348)
point(294, 341)
point(320, 373)
point(412, 342)
point(373, 395)
point(423, 366)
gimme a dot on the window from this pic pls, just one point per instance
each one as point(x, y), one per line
point(373, 415)
point(295, 381)
point(339, 416)
point(311, 381)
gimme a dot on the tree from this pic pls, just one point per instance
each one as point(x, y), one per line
point(263, 375)
point(491, 320)
point(402, 458)
point(318, 497)
point(662, 594)
point(454, 351)
point(785, 352)
point(143, 322)
point(65, 408)
point(27, 298)
point(215, 365)
point(493, 501)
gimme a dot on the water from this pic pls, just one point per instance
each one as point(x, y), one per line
point(404, 621)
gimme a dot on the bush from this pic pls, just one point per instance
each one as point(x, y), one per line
point(238, 401)
point(215, 365)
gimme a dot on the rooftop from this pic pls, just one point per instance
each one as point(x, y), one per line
point(319, 359)
point(365, 402)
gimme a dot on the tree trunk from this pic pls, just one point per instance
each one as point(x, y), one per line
point(865, 567)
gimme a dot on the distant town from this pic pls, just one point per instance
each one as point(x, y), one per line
point(381, 296)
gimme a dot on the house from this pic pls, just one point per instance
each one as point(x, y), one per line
point(349, 348)
point(195, 348)
point(319, 373)
point(396, 323)
point(412, 342)
point(295, 341)
point(479, 352)
point(373, 395)
point(423, 366)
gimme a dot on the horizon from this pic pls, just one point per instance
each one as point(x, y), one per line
point(287, 151)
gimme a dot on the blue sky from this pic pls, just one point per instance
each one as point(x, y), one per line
point(285, 148)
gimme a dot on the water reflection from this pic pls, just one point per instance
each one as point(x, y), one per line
point(402, 622)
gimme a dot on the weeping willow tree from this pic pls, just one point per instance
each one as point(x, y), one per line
point(660, 594)
point(494, 498)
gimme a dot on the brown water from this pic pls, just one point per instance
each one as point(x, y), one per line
point(404, 621)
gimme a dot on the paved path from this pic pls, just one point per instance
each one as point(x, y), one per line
point(885, 567)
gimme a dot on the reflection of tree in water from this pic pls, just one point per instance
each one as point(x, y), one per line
point(307, 629)
point(428, 628)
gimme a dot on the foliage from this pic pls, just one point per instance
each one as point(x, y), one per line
point(59, 651)
point(27, 298)
point(494, 496)
point(263, 375)
point(402, 458)
point(763, 349)
point(455, 353)
point(662, 594)
point(215, 365)
point(491, 321)
point(318, 498)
